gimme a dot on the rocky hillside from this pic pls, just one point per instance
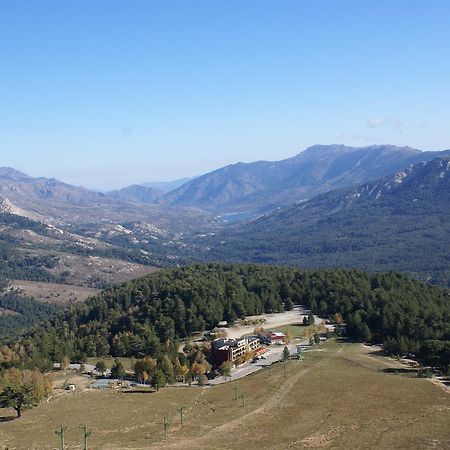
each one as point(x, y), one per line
point(264, 185)
point(51, 201)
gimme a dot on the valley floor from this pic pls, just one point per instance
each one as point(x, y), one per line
point(339, 397)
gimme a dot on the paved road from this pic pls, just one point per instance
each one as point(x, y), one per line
point(88, 368)
point(274, 354)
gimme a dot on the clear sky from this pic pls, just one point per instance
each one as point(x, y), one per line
point(107, 93)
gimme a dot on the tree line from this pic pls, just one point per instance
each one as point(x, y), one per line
point(149, 317)
point(19, 312)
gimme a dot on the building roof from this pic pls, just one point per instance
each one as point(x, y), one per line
point(225, 343)
point(260, 351)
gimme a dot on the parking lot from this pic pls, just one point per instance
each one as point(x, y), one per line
point(274, 353)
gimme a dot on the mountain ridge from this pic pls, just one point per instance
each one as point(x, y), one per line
point(52, 201)
point(399, 222)
point(137, 192)
point(263, 185)
point(167, 186)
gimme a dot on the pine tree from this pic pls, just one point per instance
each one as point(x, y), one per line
point(288, 305)
point(158, 379)
point(117, 370)
point(167, 368)
point(101, 367)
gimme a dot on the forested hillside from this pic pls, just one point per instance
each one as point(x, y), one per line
point(18, 312)
point(17, 266)
point(149, 316)
point(32, 251)
point(400, 222)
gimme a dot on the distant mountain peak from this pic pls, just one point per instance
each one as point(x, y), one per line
point(327, 147)
point(257, 187)
point(8, 173)
point(330, 149)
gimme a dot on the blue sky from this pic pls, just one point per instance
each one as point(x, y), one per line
point(107, 93)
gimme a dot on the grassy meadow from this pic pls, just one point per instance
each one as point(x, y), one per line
point(338, 397)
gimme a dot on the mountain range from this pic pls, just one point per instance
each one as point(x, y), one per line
point(51, 201)
point(377, 208)
point(250, 188)
point(262, 186)
point(399, 222)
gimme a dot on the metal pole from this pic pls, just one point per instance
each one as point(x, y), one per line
point(166, 426)
point(87, 433)
point(235, 392)
point(243, 400)
point(181, 414)
point(60, 433)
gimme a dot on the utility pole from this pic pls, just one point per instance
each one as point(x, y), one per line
point(60, 433)
point(181, 414)
point(165, 427)
point(87, 433)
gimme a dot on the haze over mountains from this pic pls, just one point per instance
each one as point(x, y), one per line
point(167, 186)
point(263, 185)
point(311, 213)
point(252, 188)
point(137, 192)
point(53, 201)
point(151, 192)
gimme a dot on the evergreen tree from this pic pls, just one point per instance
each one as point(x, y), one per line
point(117, 370)
point(167, 367)
point(100, 367)
point(158, 379)
point(288, 305)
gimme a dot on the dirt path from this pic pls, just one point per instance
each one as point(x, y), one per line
point(273, 402)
